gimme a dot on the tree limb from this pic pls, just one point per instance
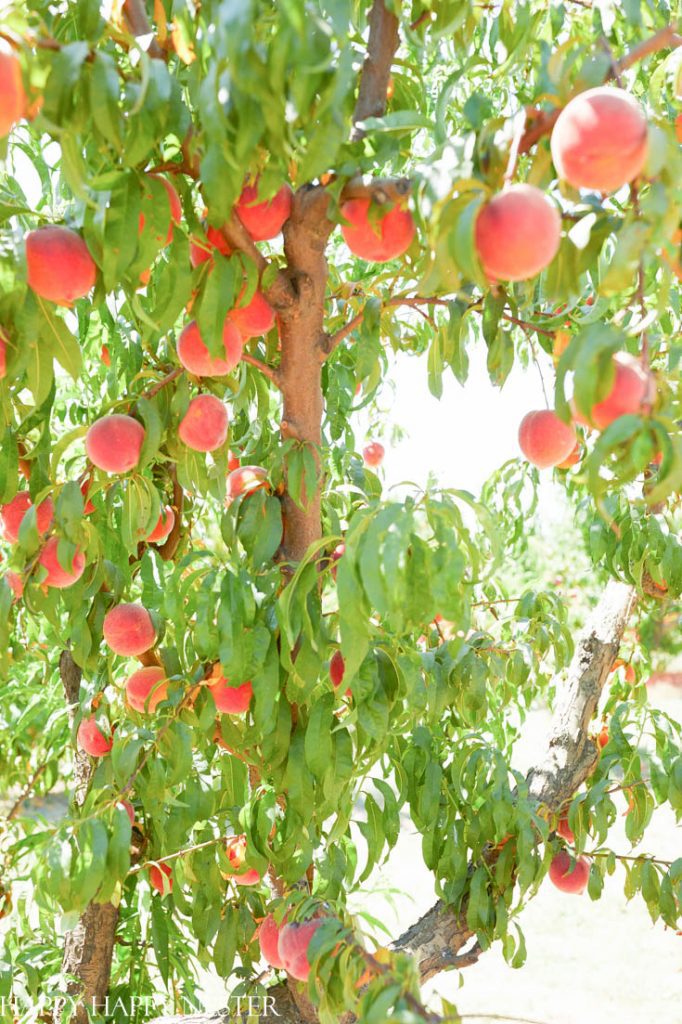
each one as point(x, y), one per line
point(135, 14)
point(376, 71)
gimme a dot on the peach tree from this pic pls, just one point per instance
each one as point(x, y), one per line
point(241, 657)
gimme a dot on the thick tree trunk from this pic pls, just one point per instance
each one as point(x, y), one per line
point(89, 947)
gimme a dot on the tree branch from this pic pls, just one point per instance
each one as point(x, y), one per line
point(135, 14)
point(376, 71)
point(268, 371)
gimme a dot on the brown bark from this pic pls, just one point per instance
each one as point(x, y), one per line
point(376, 72)
point(88, 948)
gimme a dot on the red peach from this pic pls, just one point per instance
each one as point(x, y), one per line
point(603, 737)
point(292, 949)
point(3, 354)
point(373, 454)
point(233, 462)
point(235, 847)
point(161, 878)
point(128, 629)
point(146, 689)
point(568, 874)
point(268, 937)
point(678, 127)
point(337, 668)
point(544, 439)
point(163, 527)
point(196, 358)
point(25, 468)
point(245, 480)
point(105, 355)
point(600, 140)
point(85, 490)
point(380, 240)
point(231, 700)
point(564, 830)
point(257, 317)
point(114, 443)
point(58, 264)
point(571, 460)
point(200, 251)
point(16, 583)
point(630, 674)
point(204, 426)
point(337, 553)
point(57, 576)
point(517, 234)
point(12, 95)
point(92, 740)
point(13, 512)
point(632, 388)
point(263, 220)
point(174, 210)
point(128, 808)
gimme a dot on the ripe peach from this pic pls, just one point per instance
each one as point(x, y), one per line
point(564, 830)
point(337, 668)
point(3, 355)
point(174, 210)
point(603, 737)
point(568, 874)
point(105, 355)
point(268, 937)
point(195, 357)
point(146, 689)
point(16, 583)
point(25, 468)
point(630, 674)
point(380, 240)
point(337, 553)
point(12, 95)
point(161, 878)
point(204, 426)
point(231, 700)
point(373, 454)
point(92, 740)
point(517, 234)
point(571, 460)
point(254, 319)
point(235, 847)
point(13, 512)
point(200, 251)
point(266, 219)
point(233, 462)
point(113, 443)
point(292, 948)
point(85, 490)
point(163, 527)
point(57, 576)
point(58, 264)
point(245, 480)
point(600, 140)
point(128, 629)
point(632, 388)
point(544, 439)
point(678, 127)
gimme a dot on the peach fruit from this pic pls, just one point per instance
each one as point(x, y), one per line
point(337, 668)
point(571, 460)
point(678, 127)
point(88, 506)
point(245, 480)
point(564, 830)
point(373, 454)
point(163, 527)
point(235, 847)
point(380, 240)
point(128, 808)
point(113, 443)
point(174, 210)
point(632, 388)
point(204, 426)
point(200, 251)
point(128, 630)
point(544, 439)
point(195, 357)
point(268, 937)
point(3, 354)
point(231, 700)
point(105, 355)
point(57, 576)
point(263, 220)
point(12, 95)
point(257, 317)
point(161, 878)
point(292, 948)
point(568, 874)
point(59, 266)
point(603, 738)
point(92, 740)
point(13, 512)
point(146, 689)
point(16, 583)
point(517, 234)
point(600, 140)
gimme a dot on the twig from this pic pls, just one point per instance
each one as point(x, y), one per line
point(268, 371)
point(168, 379)
point(16, 806)
point(135, 14)
point(376, 71)
point(170, 545)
